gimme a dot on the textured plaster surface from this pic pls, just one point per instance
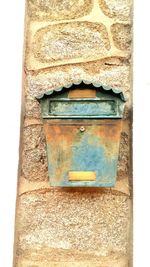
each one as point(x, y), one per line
point(57, 10)
point(51, 43)
point(113, 261)
point(70, 40)
point(58, 221)
point(104, 72)
point(119, 9)
point(121, 34)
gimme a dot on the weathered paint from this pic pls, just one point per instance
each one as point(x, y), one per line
point(82, 108)
point(82, 135)
point(102, 106)
point(94, 150)
point(80, 93)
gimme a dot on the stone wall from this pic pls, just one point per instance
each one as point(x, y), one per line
point(67, 41)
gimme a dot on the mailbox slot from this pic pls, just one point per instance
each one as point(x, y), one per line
point(82, 108)
point(82, 135)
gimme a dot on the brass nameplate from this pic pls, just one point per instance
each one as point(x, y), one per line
point(79, 93)
point(82, 176)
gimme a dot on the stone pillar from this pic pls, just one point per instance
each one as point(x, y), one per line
point(67, 41)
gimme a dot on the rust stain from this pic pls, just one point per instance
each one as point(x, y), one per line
point(70, 150)
point(80, 93)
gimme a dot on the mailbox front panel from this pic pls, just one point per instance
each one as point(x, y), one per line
point(82, 153)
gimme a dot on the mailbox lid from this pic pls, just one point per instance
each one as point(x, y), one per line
point(82, 108)
point(104, 103)
point(82, 158)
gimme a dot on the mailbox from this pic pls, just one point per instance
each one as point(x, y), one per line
point(82, 123)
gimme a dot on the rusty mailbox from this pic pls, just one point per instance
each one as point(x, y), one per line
point(82, 123)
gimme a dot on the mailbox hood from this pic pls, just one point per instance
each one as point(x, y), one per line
point(96, 85)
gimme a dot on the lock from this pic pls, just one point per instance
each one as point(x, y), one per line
point(82, 125)
point(82, 129)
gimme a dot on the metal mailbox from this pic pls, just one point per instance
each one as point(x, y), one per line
point(82, 123)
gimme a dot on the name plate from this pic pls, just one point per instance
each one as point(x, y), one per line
point(82, 176)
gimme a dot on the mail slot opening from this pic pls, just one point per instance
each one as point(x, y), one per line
point(82, 108)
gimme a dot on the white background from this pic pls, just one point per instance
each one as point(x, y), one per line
point(11, 49)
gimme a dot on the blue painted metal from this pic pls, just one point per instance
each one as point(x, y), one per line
point(82, 108)
point(96, 150)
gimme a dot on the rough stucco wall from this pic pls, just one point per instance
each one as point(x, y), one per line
point(67, 41)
